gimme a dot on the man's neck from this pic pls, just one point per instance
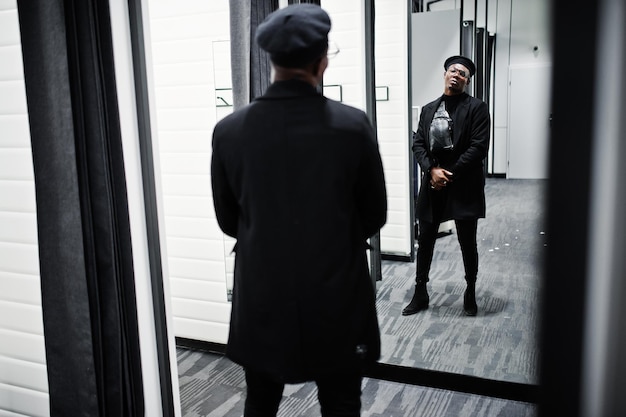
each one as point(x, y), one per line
point(302, 74)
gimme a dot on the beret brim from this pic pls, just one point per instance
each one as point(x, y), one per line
point(458, 59)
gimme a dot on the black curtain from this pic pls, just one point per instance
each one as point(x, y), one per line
point(87, 282)
point(251, 68)
point(569, 202)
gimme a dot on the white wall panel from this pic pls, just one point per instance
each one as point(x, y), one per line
point(392, 117)
point(15, 131)
point(201, 329)
point(19, 258)
point(20, 288)
point(201, 269)
point(16, 163)
point(348, 67)
point(17, 196)
point(23, 402)
point(11, 58)
point(23, 372)
point(29, 317)
point(15, 90)
point(23, 346)
point(9, 25)
point(187, 43)
point(197, 289)
point(18, 227)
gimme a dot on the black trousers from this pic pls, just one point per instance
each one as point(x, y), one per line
point(426, 237)
point(339, 394)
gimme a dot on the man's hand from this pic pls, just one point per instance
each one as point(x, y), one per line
point(439, 178)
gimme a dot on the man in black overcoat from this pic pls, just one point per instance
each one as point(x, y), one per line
point(450, 145)
point(298, 181)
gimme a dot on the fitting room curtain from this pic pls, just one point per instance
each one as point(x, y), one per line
point(87, 281)
point(251, 69)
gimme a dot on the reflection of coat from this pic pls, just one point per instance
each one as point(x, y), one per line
point(298, 181)
point(466, 194)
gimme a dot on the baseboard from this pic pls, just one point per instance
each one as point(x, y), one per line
point(415, 376)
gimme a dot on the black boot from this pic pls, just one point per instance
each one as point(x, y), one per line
point(419, 301)
point(469, 298)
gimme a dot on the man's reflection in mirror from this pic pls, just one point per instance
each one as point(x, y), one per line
point(450, 144)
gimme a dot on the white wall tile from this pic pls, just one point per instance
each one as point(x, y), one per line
point(16, 164)
point(15, 130)
point(30, 317)
point(17, 196)
point(11, 58)
point(23, 374)
point(24, 402)
point(9, 28)
point(20, 288)
point(198, 269)
point(13, 98)
point(22, 346)
point(19, 258)
point(18, 227)
point(210, 331)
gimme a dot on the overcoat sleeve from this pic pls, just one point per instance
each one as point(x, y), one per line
point(476, 152)
point(224, 200)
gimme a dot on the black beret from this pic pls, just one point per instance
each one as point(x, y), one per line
point(458, 59)
point(295, 35)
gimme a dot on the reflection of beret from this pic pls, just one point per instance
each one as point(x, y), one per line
point(295, 35)
point(457, 59)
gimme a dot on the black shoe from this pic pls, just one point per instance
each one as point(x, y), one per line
point(469, 300)
point(419, 301)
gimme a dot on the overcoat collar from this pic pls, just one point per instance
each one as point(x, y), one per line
point(289, 89)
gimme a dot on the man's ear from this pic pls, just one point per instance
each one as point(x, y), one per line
point(320, 66)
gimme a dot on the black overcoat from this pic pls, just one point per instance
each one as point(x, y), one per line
point(298, 181)
point(465, 196)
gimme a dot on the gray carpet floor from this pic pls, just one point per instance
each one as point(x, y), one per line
point(500, 342)
point(212, 386)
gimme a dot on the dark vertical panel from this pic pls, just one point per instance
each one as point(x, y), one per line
point(370, 104)
point(150, 201)
point(563, 291)
point(260, 67)
point(467, 42)
point(479, 60)
point(88, 293)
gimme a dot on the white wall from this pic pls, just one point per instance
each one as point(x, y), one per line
point(393, 122)
point(521, 26)
point(23, 372)
point(185, 44)
point(521, 83)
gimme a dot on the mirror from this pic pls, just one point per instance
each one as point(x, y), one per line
point(188, 65)
point(510, 42)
